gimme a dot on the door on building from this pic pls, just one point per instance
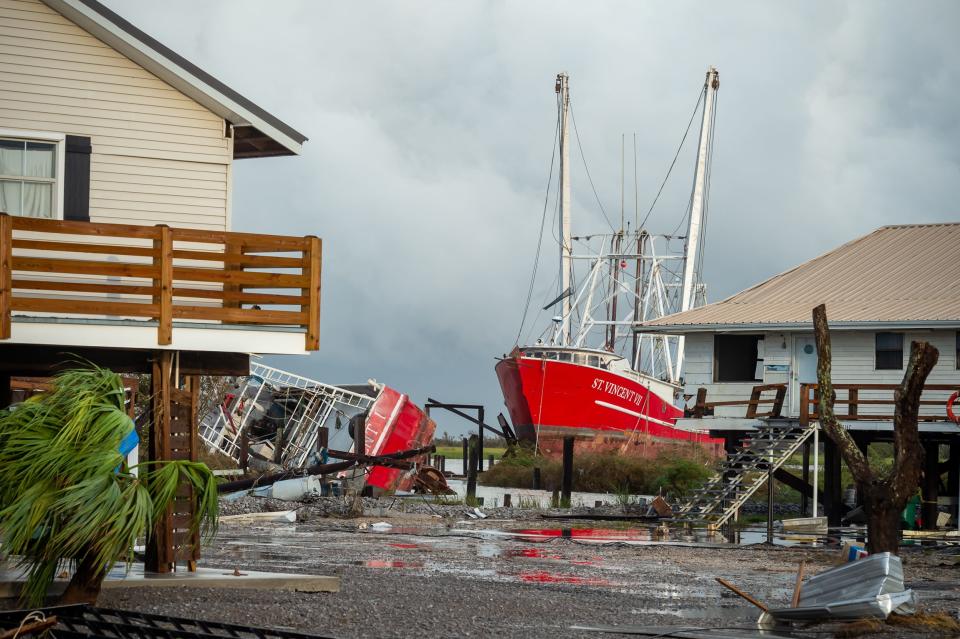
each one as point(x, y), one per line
point(804, 368)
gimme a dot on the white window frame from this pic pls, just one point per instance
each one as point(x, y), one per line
point(60, 140)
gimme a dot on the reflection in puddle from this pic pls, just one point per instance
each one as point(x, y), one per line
point(532, 553)
point(543, 577)
point(709, 612)
point(381, 563)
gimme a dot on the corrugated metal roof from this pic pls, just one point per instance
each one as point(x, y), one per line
point(906, 274)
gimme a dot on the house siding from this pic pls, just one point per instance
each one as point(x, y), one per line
point(853, 363)
point(158, 156)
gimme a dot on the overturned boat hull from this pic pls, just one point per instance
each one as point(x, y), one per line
point(395, 424)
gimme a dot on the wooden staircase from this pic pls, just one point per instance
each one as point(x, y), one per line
point(762, 452)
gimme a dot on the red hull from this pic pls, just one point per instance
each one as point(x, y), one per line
point(550, 399)
point(393, 425)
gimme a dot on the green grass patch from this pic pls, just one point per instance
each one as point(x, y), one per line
point(456, 452)
point(673, 471)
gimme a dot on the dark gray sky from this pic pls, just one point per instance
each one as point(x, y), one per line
point(431, 126)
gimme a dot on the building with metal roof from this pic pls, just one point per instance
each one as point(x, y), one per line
point(898, 277)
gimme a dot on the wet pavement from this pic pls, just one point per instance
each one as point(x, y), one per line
point(426, 575)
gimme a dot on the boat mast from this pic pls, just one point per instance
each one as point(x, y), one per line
point(696, 207)
point(566, 243)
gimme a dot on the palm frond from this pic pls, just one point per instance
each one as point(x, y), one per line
point(61, 497)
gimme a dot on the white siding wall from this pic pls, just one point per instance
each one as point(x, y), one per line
point(853, 363)
point(158, 156)
point(698, 372)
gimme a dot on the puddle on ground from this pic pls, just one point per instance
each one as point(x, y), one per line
point(382, 563)
point(708, 612)
point(544, 577)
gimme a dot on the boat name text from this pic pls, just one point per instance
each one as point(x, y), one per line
point(618, 391)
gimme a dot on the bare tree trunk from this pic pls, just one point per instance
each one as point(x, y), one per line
point(883, 497)
point(84, 586)
point(883, 519)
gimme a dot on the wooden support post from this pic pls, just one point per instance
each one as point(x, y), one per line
point(566, 485)
point(6, 273)
point(777, 408)
point(754, 402)
point(536, 478)
point(832, 488)
point(472, 471)
point(489, 462)
point(701, 405)
point(360, 436)
point(232, 248)
point(805, 406)
point(853, 399)
point(159, 552)
point(191, 386)
point(480, 439)
point(315, 256)
point(466, 456)
point(163, 267)
point(931, 484)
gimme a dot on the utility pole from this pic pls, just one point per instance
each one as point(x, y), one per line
point(696, 207)
point(566, 244)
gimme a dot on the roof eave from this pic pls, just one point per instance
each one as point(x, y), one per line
point(898, 325)
point(174, 70)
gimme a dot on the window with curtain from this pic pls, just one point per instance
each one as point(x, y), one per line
point(28, 180)
point(889, 351)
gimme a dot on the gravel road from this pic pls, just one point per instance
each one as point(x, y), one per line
point(443, 577)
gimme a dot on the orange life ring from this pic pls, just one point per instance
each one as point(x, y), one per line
point(950, 413)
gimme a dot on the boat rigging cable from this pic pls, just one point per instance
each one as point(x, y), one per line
point(543, 219)
point(675, 156)
point(583, 158)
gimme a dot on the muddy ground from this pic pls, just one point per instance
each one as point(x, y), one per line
point(437, 573)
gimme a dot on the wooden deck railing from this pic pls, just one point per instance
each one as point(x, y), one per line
point(879, 395)
point(703, 407)
point(158, 272)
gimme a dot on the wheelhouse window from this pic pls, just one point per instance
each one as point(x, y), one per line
point(28, 178)
point(889, 351)
point(737, 358)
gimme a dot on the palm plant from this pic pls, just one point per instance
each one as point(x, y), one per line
point(66, 495)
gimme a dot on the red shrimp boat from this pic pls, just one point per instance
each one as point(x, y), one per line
point(552, 393)
point(625, 393)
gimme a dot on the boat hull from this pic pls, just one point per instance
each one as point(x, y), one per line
point(549, 400)
point(395, 424)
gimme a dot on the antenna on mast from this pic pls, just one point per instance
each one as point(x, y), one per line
point(711, 85)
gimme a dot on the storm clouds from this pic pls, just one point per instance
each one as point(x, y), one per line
point(431, 129)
